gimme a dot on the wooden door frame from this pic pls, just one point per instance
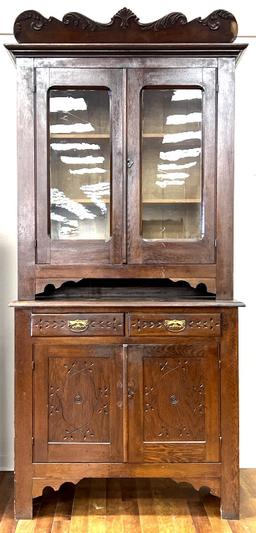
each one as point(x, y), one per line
point(151, 252)
point(81, 251)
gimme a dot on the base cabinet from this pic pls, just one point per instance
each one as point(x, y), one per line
point(134, 394)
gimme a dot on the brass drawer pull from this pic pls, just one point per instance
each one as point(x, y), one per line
point(78, 325)
point(175, 325)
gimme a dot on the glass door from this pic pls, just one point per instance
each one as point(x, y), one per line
point(79, 178)
point(171, 165)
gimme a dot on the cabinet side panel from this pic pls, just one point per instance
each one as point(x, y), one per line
point(23, 416)
point(229, 417)
point(225, 179)
point(26, 193)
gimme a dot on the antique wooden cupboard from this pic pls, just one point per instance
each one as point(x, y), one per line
point(126, 327)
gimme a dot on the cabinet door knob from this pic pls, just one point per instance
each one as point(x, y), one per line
point(130, 162)
point(131, 394)
point(173, 399)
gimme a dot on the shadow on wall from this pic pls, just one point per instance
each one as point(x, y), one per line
point(7, 293)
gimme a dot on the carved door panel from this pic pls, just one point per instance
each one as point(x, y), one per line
point(77, 403)
point(173, 402)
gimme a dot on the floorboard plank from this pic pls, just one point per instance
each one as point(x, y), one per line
point(63, 511)
point(200, 518)
point(129, 505)
point(79, 518)
point(5, 487)
point(7, 523)
point(97, 506)
point(148, 519)
point(212, 507)
point(114, 510)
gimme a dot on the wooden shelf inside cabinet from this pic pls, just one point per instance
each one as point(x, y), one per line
point(154, 135)
point(172, 201)
point(152, 201)
point(88, 201)
point(79, 136)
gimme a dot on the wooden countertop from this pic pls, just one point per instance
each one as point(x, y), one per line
point(123, 303)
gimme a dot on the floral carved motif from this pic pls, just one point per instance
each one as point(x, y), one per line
point(166, 22)
point(78, 401)
point(42, 324)
point(173, 397)
point(213, 21)
point(31, 26)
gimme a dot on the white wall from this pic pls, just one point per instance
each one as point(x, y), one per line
point(245, 207)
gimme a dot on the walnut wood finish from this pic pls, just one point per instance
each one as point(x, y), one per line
point(78, 404)
point(230, 416)
point(85, 251)
point(225, 180)
point(77, 324)
point(125, 387)
point(173, 403)
point(31, 26)
point(174, 324)
point(126, 405)
point(154, 252)
point(189, 262)
point(23, 416)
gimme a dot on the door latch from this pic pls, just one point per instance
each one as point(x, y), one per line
point(129, 162)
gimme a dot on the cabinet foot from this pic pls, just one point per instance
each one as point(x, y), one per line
point(23, 512)
point(229, 515)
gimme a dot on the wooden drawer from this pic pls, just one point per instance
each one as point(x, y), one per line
point(84, 324)
point(174, 324)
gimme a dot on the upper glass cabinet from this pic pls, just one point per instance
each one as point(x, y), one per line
point(171, 129)
point(126, 165)
point(80, 160)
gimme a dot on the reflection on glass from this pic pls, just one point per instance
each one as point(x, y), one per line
point(79, 138)
point(171, 164)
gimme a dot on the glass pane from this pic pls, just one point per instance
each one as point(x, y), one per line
point(79, 137)
point(171, 164)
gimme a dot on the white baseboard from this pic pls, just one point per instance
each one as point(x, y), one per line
point(6, 463)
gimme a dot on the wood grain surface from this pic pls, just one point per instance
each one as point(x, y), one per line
point(124, 26)
point(128, 505)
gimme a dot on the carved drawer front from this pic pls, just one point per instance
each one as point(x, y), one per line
point(174, 324)
point(53, 325)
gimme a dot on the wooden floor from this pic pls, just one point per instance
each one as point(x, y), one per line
point(127, 505)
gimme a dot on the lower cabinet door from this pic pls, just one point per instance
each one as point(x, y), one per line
point(77, 403)
point(173, 402)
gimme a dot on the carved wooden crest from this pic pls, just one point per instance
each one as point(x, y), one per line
point(125, 27)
